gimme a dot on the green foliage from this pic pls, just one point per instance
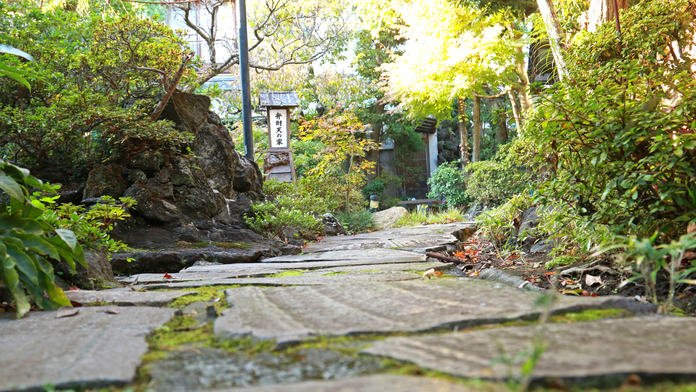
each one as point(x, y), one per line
point(12, 72)
point(27, 241)
point(357, 221)
point(448, 182)
point(272, 220)
point(617, 140)
point(306, 154)
point(99, 78)
point(422, 217)
point(647, 259)
point(492, 182)
point(91, 226)
point(498, 224)
point(342, 162)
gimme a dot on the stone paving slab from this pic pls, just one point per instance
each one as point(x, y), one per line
point(91, 349)
point(122, 297)
point(422, 267)
point(294, 313)
point(606, 349)
point(345, 255)
point(376, 383)
point(355, 277)
point(418, 238)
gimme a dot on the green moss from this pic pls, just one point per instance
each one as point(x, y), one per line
point(589, 315)
point(205, 293)
point(562, 260)
point(249, 346)
point(287, 273)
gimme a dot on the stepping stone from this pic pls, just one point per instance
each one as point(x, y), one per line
point(420, 238)
point(125, 297)
point(301, 280)
point(422, 267)
point(206, 368)
point(89, 350)
point(385, 255)
point(290, 314)
point(376, 383)
point(601, 351)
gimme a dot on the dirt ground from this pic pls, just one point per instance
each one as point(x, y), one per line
point(593, 277)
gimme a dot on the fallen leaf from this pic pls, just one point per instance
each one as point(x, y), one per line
point(574, 292)
point(550, 273)
point(585, 293)
point(113, 311)
point(73, 288)
point(432, 273)
point(460, 255)
point(566, 281)
point(691, 228)
point(167, 276)
point(591, 280)
point(474, 274)
point(66, 311)
point(75, 304)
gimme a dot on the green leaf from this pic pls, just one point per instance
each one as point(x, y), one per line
point(24, 263)
point(11, 187)
point(14, 222)
point(9, 49)
point(69, 237)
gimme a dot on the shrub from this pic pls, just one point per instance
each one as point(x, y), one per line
point(91, 226)
point(618, 138)
point(27, 241)
point(498, 224)
point(492, 182)
point(448, 182)
point(422, 217)
point(356, 222)
point(273, 221)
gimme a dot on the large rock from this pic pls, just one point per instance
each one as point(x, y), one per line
point(105, 180)
point(601, 351)
point(124, 297)
point(248, 178)
point(387, 219)
point(92, 349)
point(332, 226)
point(216, 156)
point(152, 206)
point(97, 275)
point(187, 111)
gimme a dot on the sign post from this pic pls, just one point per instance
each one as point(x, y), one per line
point(279, 163)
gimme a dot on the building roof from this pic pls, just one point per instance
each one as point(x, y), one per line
point(429, 125)
point(225, 82)
point(286, 99)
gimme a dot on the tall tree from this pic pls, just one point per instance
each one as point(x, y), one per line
point(281, 32)
point(555, 34)
point(602, 11)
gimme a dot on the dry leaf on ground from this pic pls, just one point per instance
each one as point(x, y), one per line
point(66, 311)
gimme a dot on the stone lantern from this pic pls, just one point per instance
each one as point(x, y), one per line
point(279, 163)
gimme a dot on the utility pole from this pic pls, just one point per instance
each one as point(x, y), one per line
point(246, 86)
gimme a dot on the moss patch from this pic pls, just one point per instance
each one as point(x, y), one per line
point(287, 273)
point(205, 293)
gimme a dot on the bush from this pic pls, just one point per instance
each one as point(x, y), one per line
point(447, 182)
point(27, 241)
point(492, 182)
point(618, 138)
point(92, 226)
point(356, 222)
point(498, 224)
point(272, 220)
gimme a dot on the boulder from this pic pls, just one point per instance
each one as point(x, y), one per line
point(248, 178)
point(147, 161)
point(332, 226)
point(105, 180)
point(191, 110)
point(216, 156)
point(388, 218)
point(152, 206)
point(529, 221)
point(97, 275)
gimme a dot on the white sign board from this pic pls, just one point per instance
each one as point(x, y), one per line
point(278, 128)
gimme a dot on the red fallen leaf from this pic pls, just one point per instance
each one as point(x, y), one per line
point(167, 276)
point(73, 288)
point(304, 246)
point(460, 255)
point(594, 294)
point(514, 255)
point(549, 273)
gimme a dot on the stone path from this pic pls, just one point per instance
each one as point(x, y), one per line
point(335, 313)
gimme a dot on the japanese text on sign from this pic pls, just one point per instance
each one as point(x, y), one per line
point(277, 126)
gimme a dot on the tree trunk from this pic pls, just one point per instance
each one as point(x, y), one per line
point(515, 112)
point(602, 11)
point(555, 33)
point(477, 130)
point(521, 73)
point(376, 132)
point(463, 133)
point(499, 126)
